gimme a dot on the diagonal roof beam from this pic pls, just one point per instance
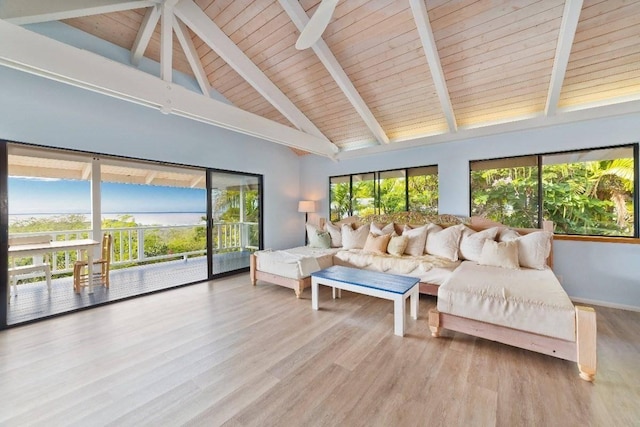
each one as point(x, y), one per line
point(431, 52)
point(216, 39)
point(21, 12)
point(39, 55)
point(300, 19)
point(570, 18)
point(145, 32)
point(166, 41)
point(192, 55)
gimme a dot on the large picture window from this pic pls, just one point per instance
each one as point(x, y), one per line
point(384, 192)
point(588, 192)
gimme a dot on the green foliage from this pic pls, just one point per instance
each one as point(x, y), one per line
point(590, 198)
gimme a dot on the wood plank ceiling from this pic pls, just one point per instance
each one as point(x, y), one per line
point(500, 61)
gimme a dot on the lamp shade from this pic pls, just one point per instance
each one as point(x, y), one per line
point(306, 206)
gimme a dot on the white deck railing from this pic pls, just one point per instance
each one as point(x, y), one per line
point(129, 243)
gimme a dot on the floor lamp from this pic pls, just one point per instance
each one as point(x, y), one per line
point(306, 206)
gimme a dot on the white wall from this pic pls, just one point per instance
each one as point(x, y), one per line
point(39, 111)
point(594, 272)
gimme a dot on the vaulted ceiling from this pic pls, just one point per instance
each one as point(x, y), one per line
point(386, 74)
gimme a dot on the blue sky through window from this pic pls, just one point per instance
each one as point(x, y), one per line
point(53, 196)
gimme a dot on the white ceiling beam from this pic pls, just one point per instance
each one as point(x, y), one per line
point(568, 26)
point(421, 17)
point(216, 39)
point(166, 41)
point(192, 55)
point(300, 19)
point(145, 32)
point(21, 12)
point(33, 53)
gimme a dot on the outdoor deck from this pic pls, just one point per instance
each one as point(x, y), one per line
point(33, 301)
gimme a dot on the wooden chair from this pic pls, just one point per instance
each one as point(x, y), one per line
point(81, 268)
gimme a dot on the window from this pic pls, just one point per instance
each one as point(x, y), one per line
point(587, 192)
point(384, 192)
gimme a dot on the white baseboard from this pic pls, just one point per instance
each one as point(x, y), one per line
point(606, 304)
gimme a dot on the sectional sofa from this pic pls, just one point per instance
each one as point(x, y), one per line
point(491, 281)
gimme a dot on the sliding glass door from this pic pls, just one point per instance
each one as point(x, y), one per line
point(236, 203)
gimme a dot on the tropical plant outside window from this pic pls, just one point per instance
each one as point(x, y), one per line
point(587, 192)
point(383, 192)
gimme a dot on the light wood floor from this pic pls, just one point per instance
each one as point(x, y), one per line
point(225, 352)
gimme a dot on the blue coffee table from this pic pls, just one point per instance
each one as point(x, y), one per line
point(382, 285)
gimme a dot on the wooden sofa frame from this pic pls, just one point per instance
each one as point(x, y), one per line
point(582, 350)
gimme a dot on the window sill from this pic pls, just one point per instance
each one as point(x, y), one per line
point(599, 239)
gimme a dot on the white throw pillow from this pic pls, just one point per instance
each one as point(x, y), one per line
point(502, 254)
point(312, 231)
point(445, 242)
point(534, 249)
point(387, 229)
point(417, 238)
point(354, 239)
point(471, 242)
point(336, 235)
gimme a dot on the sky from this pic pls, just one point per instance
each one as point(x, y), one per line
point(49, 196)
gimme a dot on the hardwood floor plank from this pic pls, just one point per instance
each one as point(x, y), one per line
point(228, 353)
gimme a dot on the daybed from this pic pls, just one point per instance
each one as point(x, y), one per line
point(498, 286)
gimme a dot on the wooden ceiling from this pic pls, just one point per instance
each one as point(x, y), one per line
point(406, 69)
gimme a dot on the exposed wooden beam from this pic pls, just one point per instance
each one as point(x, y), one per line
point(148, 179)
point(570, 18)
point(431, 52)
point(216, 39)
point(300, 19)
point(21, 12)
point(166, 41)
point(86, 171)
point(145, 32)
point(48, 58)
point(195, 181)
point(192, 55)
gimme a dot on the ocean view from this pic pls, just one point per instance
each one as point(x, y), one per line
point(144, 218)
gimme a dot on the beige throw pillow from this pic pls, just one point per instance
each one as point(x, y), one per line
point(500, 254)
point(377, 244)
point(397, 245)
point(445, 242)
point(416, 240)
point(354, 239)
point(533, 248)
point(471, 242)
point(336, 235)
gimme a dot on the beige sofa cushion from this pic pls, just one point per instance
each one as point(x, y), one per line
point(533, 248)
point(524, 299)
point(397, 245)
point(377, 244)
point(417, 238)
point(336, 235)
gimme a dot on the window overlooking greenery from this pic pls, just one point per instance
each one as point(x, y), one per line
point(588, 192)
point(384, 192)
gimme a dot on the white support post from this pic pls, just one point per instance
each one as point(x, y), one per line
point(96, 205)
